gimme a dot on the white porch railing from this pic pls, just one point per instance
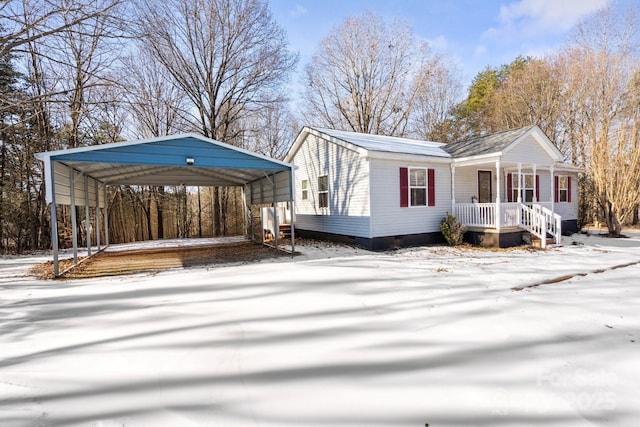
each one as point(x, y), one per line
point(535, 218)
point(476, 214)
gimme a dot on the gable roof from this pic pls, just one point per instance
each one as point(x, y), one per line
point(160, 161)
point(489, 144)
point(371, 143)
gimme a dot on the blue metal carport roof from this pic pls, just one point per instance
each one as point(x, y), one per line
point(162, 161)
point(76, 176)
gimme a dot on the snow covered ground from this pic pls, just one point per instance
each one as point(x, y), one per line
point(337, 336)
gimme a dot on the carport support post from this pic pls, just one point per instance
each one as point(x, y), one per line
point(97, 216)
point(87, 217)
point(74, 224)
point(54, 223)
point(292, 197)
point(106, 217)
point(244, 210)
point(276, 226)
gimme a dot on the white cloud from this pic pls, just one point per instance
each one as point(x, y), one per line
point(298, 10)
point(535, 17)
point(480, 50)
point(439, 43)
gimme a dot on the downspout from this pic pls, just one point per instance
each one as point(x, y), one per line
point(453, 189)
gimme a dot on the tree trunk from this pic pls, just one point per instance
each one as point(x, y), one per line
point(159, 196)
point(199, 215)
point(216, 210)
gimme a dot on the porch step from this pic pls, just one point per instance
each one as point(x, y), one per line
point(533, 240)
point(285, 231)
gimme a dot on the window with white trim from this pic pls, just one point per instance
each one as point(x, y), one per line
point(563, 188)
point(418, 187)
point(323, 191)
point(527, 187)
point(305, 189)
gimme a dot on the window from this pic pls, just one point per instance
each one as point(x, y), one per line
point(323, 191)
point(527, 187)
point(305, 189)
point(563, 188)
point(418, 187)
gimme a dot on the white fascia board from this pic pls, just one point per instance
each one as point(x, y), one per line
point(477, 160)
point(386, 155)
point(563, 167)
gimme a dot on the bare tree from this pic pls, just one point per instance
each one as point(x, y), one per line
point(438, 89)
point(227, 56)
point(604, 61)
point(361, 77)
point(28, 21)
point(270, 130)
point(157, 105)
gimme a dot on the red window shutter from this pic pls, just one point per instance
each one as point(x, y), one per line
point(431, 187)
point(404, 187)
point(569, 189)
point(537, 188)
point(509, 188)
point(556, 191)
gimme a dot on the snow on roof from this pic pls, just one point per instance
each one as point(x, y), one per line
point(388, 144)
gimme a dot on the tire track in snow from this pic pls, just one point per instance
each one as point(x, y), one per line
point(571, 276)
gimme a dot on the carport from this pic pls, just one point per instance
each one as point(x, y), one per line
point(79, 177)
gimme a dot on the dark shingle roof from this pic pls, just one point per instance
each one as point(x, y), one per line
point(493, 143)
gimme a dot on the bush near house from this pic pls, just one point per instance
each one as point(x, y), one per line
point(452, 230)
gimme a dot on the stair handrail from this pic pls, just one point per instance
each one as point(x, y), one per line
point(534, 221)
point(554, 224)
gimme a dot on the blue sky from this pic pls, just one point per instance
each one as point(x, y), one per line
point(475, 33)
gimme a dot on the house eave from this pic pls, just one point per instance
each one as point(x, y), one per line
point(393, 156)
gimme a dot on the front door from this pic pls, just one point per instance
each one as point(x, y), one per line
point(484, 186)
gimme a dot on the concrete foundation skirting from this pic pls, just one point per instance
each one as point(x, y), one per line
point(494, 239)
point(375, 243)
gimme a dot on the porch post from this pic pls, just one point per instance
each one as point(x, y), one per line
point(552, 192)
point(535, 185)
point(453, 190)
point(519, 199)
point(498, 215)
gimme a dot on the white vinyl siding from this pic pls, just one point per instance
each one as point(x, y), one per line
point(528, 151)
point(569, 211)
point(388, 218)
point(357, 226)
point(348, 178)
point(347, 192)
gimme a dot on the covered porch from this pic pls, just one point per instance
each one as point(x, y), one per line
point(494, 196)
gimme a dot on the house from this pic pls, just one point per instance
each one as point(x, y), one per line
point(381, 192)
